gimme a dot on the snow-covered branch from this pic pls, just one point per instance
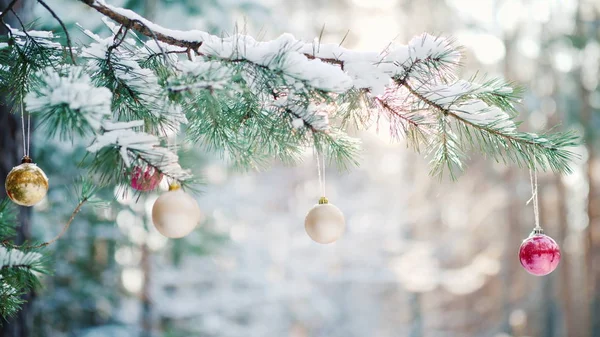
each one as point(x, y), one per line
point(252, 101)
point(134, 146)
point(14, 258)
point(329, 67)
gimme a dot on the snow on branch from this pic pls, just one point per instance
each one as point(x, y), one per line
point(254, 100)
point(328, 67)
point(39, 37)
point(115, 63)
point(19, 271)
point(201, 75)
point(136, 146)
point(488, 128)
point(69, 101)
point(14, 258)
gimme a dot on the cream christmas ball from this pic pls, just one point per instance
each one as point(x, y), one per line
point(325, 222)
point(175, 214)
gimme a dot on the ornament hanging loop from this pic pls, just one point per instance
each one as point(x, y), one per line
point(534, 198)
point(26, 136)
point(321, 174)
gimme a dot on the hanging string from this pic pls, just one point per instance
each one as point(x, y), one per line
point(8, 244)
point(321, 172)
point(23, 129)
point(171, 146)
point(534, 196)
point(28, 133)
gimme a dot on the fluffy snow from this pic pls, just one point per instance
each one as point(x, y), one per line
point(311, 62)
point(12, 257)
point(297, 123)
point(313, 115)
point(206, 73)
point(459, 97)
point(110, 126)
point(74, 90)
point(446, 94)
point(142, 80)
point(133, 144)
point(44, 38)
point(478, 112)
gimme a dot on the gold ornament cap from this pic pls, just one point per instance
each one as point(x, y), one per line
point(323, 201)
point(26, 184)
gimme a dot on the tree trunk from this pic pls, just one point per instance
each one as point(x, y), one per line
point(12, 151)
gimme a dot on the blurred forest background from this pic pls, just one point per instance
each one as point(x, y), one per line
point(421, 258)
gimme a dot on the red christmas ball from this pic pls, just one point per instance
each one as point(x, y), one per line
point(539, 254)
point(145, 179)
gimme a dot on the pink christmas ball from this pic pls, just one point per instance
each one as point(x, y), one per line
point(145, 179)
point(539, 254)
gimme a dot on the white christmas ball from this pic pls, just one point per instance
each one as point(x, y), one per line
point(175, 214)
point(325, 223)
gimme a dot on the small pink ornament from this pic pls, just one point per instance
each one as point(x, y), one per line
point(145, 179)
point(539, 254)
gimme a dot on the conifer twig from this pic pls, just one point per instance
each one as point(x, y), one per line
point(77, 209)
point(64, 28)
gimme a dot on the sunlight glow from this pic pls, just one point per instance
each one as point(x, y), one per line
point(376, 4)
point(488, 49)
point(132, 279)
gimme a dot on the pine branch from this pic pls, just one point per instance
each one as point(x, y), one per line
point(525, 149)
point(64, 28)
point(8, 219)
point(68, 103)
point(140, 25)
point(18, 273)
point(120, 146)
point(251, 100)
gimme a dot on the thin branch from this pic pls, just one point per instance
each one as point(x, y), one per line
point(326, 60)
point(77, 209)
point(293, 114)
point(162, 51)
point(393, 111)
point(118, 39)
point(20, 23)
point(142, 28)
point(185, 51)
point(189, 87)
point(7, 9)
point(157, 168)
point(448, 112)
point(64, 28)
point(16, 266)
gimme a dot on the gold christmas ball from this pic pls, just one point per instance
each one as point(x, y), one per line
point(325, 222)
point(175, 214)
point(26, 184)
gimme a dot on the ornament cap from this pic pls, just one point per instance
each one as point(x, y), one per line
point(174, 186)
point(26, 159)
point(323, 201)
point(537, 230)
